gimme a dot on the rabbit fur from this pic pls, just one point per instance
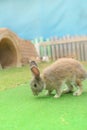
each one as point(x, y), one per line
point(63, 71)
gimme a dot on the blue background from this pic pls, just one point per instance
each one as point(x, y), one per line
point(44, 18)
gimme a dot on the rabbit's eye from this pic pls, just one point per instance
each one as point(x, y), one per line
point(35, 85)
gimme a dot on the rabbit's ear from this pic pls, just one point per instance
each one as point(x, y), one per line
point(34, 69)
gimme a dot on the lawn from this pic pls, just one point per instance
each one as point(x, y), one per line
point(20, 110)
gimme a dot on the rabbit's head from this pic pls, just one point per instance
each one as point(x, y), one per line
point(37, 83)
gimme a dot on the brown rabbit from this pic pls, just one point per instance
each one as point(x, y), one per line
point(65, 70)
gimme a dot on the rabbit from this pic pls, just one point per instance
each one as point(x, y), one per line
point(63, 71)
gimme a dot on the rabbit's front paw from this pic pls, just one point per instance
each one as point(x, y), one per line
point(77, 93)
point(48, 93)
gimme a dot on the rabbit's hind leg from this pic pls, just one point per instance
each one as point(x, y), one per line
point(79, 86)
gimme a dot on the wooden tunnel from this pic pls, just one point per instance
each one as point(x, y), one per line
point(13, 50)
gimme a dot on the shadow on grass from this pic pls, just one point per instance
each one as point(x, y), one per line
point(67, 96)
point(44, 96)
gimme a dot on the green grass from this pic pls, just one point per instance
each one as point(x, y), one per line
point(13, 77)
point(20, 110)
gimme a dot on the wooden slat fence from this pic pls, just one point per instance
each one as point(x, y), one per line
point(69, 47)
